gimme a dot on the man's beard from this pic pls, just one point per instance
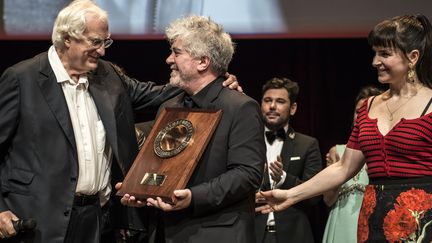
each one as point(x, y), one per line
point(275, 126)
point(180, 80)
point(176, 82)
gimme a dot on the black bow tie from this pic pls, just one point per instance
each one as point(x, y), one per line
point(272, 135)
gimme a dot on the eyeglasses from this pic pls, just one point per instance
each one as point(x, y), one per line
point(97, 43)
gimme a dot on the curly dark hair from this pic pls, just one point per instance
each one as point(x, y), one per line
point(285, 83)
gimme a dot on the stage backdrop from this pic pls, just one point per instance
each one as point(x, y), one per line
point(143, 19)
point(329, 71)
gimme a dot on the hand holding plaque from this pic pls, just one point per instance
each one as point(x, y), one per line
point(170, 153)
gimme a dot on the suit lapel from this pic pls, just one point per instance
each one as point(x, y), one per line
point(209, 94)
point(265, 185)
point(287, 148)
point(175, 102)
point(204, 99)
point(54, 96)
point(105, 107)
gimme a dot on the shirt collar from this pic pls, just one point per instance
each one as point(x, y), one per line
point(61, 73)
point(267, 129)
point(206, 94)
point(290, 131)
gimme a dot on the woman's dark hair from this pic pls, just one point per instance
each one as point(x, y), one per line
point(407, 33)
point(366, 92)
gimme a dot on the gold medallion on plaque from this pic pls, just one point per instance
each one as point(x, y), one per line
point(173, 138)
point(169, 142)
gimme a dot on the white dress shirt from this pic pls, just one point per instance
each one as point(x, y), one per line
point(273, 150)
point(94, 156)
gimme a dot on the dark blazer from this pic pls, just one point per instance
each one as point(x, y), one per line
point(301, 160)
point(38, 154)
point(229, 172)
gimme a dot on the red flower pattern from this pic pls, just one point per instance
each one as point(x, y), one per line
point(402, 222)
point(368, 206)
point(399, 224)
point(415, 199)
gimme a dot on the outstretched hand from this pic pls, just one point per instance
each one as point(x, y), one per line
point(276, 200)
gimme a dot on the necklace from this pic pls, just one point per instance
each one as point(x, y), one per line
point(400, 106)
point(392, 112)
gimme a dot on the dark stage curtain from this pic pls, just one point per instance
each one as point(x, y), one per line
point(329, 72)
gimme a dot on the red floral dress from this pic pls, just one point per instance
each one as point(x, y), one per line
point(396, 213)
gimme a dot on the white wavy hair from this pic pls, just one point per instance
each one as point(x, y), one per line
point(201, 37)
point(71, 21)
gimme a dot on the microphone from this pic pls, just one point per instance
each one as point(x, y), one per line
point(24, 225)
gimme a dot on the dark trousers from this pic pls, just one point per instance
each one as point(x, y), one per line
point(85, 224)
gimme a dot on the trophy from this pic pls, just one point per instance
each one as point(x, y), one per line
point(170, 153)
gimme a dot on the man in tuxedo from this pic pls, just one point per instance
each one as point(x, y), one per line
point(292, 158)
point(217, 204)
point(67, 132)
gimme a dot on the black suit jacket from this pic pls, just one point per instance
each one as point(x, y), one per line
point(301, 160)
point(229, 172)
point(38, 154)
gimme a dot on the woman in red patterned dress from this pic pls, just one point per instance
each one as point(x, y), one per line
point(393, 134)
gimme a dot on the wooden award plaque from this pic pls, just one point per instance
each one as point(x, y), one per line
point(170, 153)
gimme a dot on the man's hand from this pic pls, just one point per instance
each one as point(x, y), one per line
point(232, 83)
point(6, 228)
point(276, 170)
point(129, 200)
point(332, 156)
point(182, 199)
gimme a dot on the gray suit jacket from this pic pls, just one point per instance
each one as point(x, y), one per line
point(229, 172)
point(38, 154)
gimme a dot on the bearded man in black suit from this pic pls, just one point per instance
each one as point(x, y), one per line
point(218, 202)
point(292, 158)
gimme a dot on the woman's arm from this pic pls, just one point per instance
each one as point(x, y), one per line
point(331, 196)
point(329, 178)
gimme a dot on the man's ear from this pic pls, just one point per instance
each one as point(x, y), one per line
point(67, 41)
point(203, 63)
point(293, 109)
